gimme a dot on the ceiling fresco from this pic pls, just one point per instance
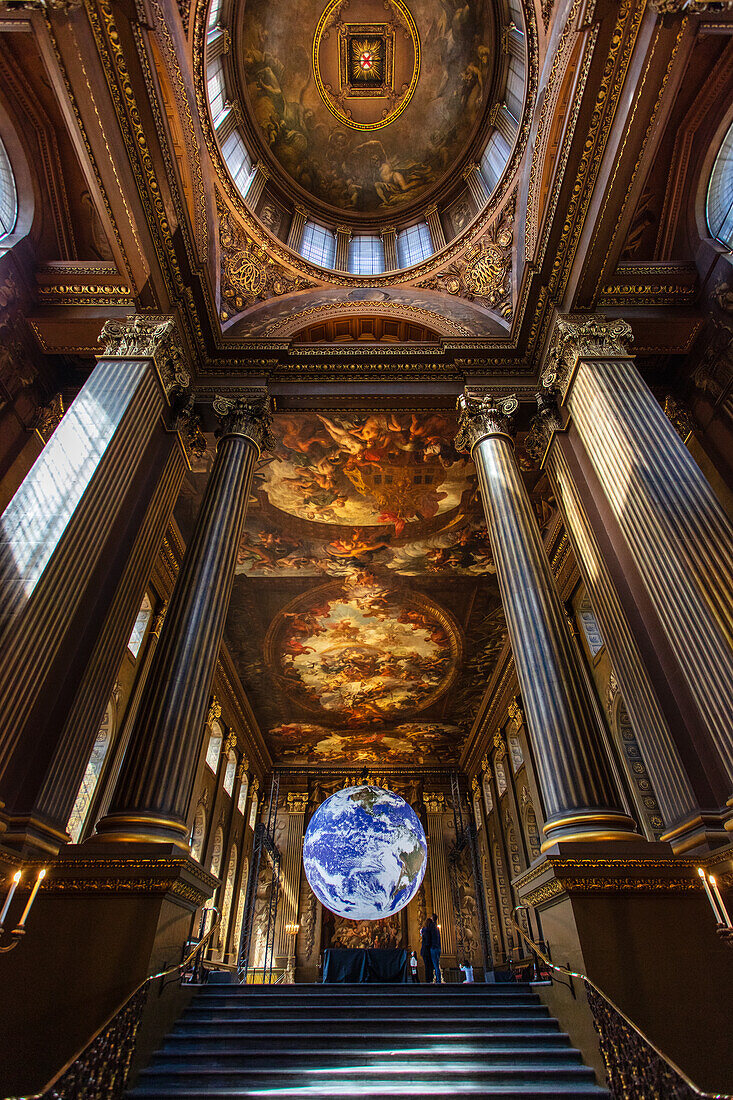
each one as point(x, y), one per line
point(365, 619)
point(366, 104)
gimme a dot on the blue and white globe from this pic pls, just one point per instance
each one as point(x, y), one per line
point(365, 853)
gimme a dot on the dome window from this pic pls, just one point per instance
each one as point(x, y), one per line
point(318, 245)
point(414, 245)
point(366, 255)
point(8, 195)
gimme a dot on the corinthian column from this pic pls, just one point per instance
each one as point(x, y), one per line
point(576, 780)
point(77, 543)
point(439, 880)
point(156, 779)
point(679, 538)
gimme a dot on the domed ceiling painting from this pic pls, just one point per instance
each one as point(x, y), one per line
point(366, 103)
point(365, 619)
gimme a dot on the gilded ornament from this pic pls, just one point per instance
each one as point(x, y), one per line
point(49, 417)
point(543, 426)
point(144, 336)
point(479, 417)
point(679, 417)
point(250, 416)
point(485, 270)
point(591, 337)
point(214, 711)
point(297, 802)
point(515, 712)
point(244, 273)
point(434, 802)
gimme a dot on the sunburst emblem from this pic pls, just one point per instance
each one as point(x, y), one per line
point(366, 60)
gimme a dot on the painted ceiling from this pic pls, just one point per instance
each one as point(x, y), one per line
point(366, 104)
point(365, 618)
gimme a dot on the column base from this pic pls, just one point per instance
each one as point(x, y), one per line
point(700, 832)
point(33, 836)
point(594, 826)
point(142, 828)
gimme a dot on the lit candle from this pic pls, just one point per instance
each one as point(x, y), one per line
point(719, 899)
point(713, 905)
point(9, 898)
point(32, 898)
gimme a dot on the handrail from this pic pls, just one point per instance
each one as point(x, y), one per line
point(629, 1023)
point(146, 982)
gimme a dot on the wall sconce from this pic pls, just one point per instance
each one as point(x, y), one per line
point(292, 929)
point(18, 933)
point(724, 925)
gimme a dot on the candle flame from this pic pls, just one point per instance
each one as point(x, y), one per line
point(41, 873)
point(700, 872)
point(712, 879)
point(16, 876)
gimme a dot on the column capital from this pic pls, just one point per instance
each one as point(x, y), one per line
point(543, 425)
point(249, 415)
point(583, 337)
point(434, 802)
point(297, 802)
point(149, 336)
point(344, 231)
point(479, 417)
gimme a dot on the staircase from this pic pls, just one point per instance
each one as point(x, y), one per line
point(366, 1041)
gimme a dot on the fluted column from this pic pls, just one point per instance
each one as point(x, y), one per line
point(290, 883)
point(74, 550)
point(437, 236)
point(343, 236)
point(679, 538)
point(549, 444)
point(257, 185)
point(439, 881)
point(297, 225)
point(574, 773)
point(389, 242)
point(474, 180)
point(157, 776)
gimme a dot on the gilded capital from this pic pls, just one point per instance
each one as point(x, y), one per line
point(250, 416)
point(297, 802)
point(479, 417)
point(435, 802)
point(583, 337)
point(543, 425)
point(49, 417)
point(149, 336)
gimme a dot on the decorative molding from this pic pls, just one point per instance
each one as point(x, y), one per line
point(49, 417)
point(214, 711)
point(297, 802)
point(679, 417)
point(543, 426)
point(434, 802)
point(149, 336)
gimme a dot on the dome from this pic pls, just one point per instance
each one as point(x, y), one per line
point(366, 118)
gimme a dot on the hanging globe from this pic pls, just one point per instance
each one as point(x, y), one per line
point(365, 853)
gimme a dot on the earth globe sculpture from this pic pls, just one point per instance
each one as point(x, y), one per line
point(365, 853)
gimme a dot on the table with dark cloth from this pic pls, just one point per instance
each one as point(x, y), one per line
point(365, 964)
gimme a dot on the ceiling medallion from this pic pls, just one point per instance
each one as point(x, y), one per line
point(366, 69)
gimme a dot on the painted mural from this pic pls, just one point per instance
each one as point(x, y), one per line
point(354, 169)
point(361, 654)
point(365, 619)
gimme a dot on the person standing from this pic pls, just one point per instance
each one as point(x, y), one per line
point(413, 968)
point(425, 944)
point(435, 948)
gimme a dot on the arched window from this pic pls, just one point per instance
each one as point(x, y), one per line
point(141, 625)
point(226, 905)
point(89, 783)
point(231, 771)
point(237, 936)
point(218, 852)
point(488, 800)
point(242, 797)
point(719, 205)
point(214, 748)
point(253, 811)
point(8, 195)
point(198, 833)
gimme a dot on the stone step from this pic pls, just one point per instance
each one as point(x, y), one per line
point(200, 1056)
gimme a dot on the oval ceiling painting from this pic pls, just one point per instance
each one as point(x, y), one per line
point(358, 654)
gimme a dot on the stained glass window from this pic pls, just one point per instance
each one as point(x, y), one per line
point(8, 194)
point(318, 245)
point(719, 207)
point(366, 254)
point(414, 245)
